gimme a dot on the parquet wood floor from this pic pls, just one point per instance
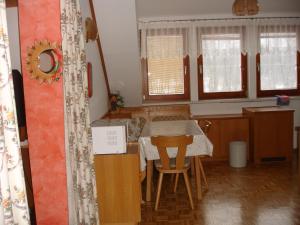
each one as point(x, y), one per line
point(267, 194)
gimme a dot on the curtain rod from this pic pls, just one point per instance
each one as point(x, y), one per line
point(213, 19)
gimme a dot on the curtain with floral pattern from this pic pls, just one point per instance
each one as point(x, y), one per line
point(13, 200)
point(80, 170)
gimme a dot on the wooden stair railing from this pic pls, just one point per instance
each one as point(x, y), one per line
point(100, 48)
point(11, 3)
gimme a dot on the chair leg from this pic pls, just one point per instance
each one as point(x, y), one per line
point(198, 179)
point(193, 171)
point(203, 174)
point(161, 175)
point(176, 182)
point(149, 175)
point(172, 177)
point(188, 188)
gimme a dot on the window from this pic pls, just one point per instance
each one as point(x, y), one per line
point(276, 65)
point(222, 68)
point(218, 51)
point(166, 68)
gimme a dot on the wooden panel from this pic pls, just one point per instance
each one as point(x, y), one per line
point(273, 135)
point(214, 137)
point(264, 136)
point(118, 186)
point(218, 116)
point(285, 125)
point(117, 116)
point(275, 109)
point(224, 129)
point(271, 132)
point(233, 130)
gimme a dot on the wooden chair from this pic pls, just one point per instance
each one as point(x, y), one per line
point(205, 127)
point(172, 166)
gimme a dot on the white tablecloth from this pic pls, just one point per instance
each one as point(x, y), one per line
point(200, 146)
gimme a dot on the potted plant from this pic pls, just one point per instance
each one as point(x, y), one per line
point(116, 102)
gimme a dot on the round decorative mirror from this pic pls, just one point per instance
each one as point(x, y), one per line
point(47, 61)
point(44, 62)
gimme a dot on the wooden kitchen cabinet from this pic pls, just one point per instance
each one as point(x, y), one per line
point(118, 187)
point(225, 129)
point(271, 133)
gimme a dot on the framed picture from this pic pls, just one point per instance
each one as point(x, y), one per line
point(90, 79)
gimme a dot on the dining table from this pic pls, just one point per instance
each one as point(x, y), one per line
point(148, 153)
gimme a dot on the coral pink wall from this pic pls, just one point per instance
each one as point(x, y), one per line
point(40, 19)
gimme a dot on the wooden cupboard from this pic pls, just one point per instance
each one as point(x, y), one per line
point(271, 132)
point(224, 129)
point(118, 187)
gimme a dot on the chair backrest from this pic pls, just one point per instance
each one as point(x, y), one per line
point(205, 125)
point(163, 142)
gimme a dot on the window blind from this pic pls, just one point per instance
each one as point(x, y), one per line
point(165, 65)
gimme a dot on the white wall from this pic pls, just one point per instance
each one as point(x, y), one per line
point(207, 8)
point(98, 103)
point(119, 37)
point(13, 35)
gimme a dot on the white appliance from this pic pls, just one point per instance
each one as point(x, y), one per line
point(109, 137)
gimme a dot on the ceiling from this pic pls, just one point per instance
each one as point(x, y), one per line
point(210, 8)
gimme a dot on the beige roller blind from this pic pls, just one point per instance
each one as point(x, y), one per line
point(165, 65)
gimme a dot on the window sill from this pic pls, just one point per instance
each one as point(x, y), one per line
point(236, 100)
point(239, 100)
point(166, 102)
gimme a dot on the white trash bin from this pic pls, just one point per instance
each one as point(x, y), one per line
point(238, 154)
